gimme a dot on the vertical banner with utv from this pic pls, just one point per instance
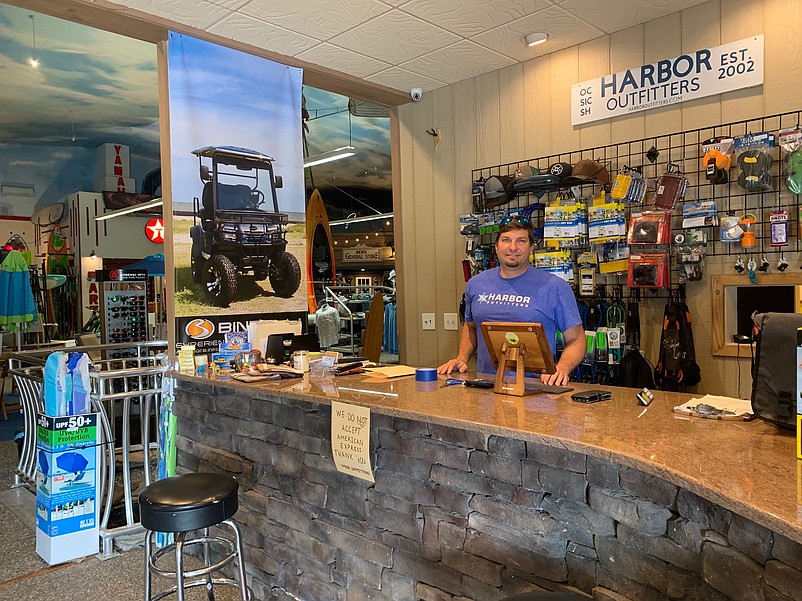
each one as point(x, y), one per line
point(237, 182)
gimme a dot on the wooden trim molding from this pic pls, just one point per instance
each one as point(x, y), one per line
point(721, 345)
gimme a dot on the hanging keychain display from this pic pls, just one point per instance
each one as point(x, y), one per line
point(782, 264)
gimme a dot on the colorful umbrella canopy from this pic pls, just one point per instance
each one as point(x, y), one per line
point(17, 307)
point(72, 462)
point(153, 264)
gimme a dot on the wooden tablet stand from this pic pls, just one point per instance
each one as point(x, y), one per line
point(511, 354)
point(517, 347)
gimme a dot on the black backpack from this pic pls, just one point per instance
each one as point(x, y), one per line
point(677, 368)
point(774, 367)
point(634, 371)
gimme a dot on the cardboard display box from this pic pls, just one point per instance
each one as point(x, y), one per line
point(67, 494)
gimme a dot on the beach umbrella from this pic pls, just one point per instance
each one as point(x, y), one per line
point(17, 307)
point(75, 463)
point(153, 264)
point(44, 465)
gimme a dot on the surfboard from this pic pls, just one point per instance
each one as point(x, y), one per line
point(373, 334)
point(319, 251)
point(49, 215)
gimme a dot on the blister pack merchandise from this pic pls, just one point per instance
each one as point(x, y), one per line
point(649, 227)
point(717, 159)
point(629, 186)
point(689, 251)
point(791, 143)
point(754, 155)
point(671, 188)
point(648, 270)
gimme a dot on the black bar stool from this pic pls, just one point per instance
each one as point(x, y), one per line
point(183, 504)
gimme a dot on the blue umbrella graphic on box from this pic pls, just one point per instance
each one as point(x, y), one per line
point(74, 464)
point(44, 466)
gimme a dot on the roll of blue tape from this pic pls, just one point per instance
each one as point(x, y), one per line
point(426, 374)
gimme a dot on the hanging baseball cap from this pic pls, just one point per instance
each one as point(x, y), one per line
point(560, 170)
point(587, 171)
point(498, 190)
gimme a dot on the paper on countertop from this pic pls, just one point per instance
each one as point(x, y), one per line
point(737, 406)
point(391, 371)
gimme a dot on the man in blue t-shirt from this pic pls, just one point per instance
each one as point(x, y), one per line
point(516, 291)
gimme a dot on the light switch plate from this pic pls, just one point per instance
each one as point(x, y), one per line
point(450, 321)
point(427, 321)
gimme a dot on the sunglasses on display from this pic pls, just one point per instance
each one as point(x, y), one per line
point(515, 221)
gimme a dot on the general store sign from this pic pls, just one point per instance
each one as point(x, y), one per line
point(366, 253)
point(689, 76)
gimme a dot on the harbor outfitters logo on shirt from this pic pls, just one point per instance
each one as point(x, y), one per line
point(199, 329)
point(510, 300)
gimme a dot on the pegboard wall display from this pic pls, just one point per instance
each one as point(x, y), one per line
point(645, 213)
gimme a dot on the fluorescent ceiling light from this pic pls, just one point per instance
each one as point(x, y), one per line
point(156, 202)
point(360, 219)
point(331, 155)
point(533, 39)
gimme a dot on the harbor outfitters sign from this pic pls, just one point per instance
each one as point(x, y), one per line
point(689, 76)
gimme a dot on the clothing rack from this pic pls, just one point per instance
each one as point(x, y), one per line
point(333, 297)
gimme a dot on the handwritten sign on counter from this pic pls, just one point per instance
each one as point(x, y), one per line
point(350, 440)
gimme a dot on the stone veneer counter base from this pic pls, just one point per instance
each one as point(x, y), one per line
point(480, 495)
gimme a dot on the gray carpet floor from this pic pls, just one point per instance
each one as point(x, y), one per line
point(24, 576)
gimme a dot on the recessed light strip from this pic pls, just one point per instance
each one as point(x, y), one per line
point(156, 202)
point(331, 155)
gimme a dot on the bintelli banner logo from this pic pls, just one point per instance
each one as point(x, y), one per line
point(199, 329)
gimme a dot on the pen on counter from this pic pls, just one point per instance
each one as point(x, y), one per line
point(645, 409)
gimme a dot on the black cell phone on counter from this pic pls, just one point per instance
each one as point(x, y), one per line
point(592, 396)
point(479, 383)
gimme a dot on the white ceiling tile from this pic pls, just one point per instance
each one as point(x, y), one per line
point(627, 12)
point(395, 37)
point(474, 17)
point(343, 60)
point(230, 4)
point(263, 35)
point(321, 19)
point(457, 62)
point(401, 79)
point(196, 13)
point(564, 30)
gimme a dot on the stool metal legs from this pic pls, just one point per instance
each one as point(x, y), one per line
point(232, 549)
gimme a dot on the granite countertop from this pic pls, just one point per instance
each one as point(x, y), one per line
point(747, 467)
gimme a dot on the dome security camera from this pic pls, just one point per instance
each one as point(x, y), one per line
point(416, 94)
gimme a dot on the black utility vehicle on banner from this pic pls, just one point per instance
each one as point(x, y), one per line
point(232, 234)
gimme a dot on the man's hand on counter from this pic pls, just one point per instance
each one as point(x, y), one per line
point(452, 364)
point(558, 378)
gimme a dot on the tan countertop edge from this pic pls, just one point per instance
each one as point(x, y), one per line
point(751, 479)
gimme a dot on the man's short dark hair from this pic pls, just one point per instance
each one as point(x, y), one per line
point(516, 225)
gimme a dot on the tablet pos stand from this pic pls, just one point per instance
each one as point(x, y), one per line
point(517, 347)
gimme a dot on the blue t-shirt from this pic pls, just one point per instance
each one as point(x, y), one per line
point(534, 296)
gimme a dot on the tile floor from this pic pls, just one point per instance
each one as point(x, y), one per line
point(24, 576)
